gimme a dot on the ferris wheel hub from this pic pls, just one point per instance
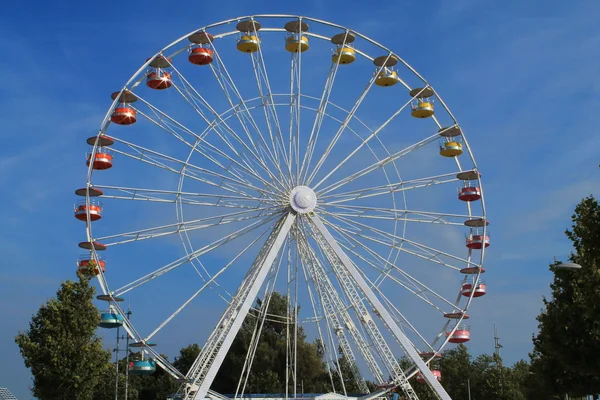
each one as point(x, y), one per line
point(303, 199)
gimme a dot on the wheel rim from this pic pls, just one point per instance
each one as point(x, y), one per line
point(265, 170)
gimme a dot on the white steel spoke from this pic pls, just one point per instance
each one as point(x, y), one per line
point(389, 188)
point(348, 119)
point(247, 203)
point(294, 142)
point(404, 218)
point(206, 284)
point(134, 192)
point(266, 94)
point(434, 253)
point(179, 227)
point(384, 270)
point(189, 257)
point(434, 216)
point(380, 163)
point(224, 79)
point(320, 114)
point(252, 151)
point(150, 157)
point(154, 199)
point(363, 143)
point(199, 139)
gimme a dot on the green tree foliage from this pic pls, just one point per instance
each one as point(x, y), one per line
point(565, 357)
point(485, 375)
point(105, 390)
point(187, 356)
point(455, 366)
point(61, 348)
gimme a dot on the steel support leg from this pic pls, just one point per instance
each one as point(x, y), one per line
point(206, 366)
point(385, 315)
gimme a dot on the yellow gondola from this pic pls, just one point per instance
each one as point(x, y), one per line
point(295, 43)
point(248, 44)
point(344, 55)
point(387, 77)
point(451, 149)
point(423, 109)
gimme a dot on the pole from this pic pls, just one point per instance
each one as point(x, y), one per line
point(117, 367)
point(127, 356)
point(469, 388)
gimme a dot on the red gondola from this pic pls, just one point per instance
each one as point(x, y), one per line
point(460, 335)
point(200, 56)
point(103, 159)
point(477, 242)
point(124, 115)
point(467, 288)
point(95, 210)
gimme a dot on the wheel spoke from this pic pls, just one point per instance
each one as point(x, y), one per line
point(164, 117)
point(194, 255)
point(360, 194)
point(380, 163)
point(433, 216)
point(181, 227)
point(318, 122)
point(266, 94)
point(206, 284)
point(192, 94)
point(387, 267)
point(156, 159)
point(363, 143)
point(405, 218)
point(384, 239)
point(225, 81)
point(169, 195)
point(348, 119)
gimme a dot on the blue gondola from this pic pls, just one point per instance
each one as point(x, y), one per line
point(142, 367)
point(110, 320)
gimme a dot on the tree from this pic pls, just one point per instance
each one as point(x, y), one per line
point(486, 377)
point(61, 348)
point(565, 359)
point(187, 356)
point(105, 390)
point(456, 371)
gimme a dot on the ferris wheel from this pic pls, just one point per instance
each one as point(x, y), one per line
point(285, 153)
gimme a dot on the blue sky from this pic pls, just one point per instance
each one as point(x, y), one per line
point(519, 76)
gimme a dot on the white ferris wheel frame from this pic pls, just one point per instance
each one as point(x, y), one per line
point(197, 383)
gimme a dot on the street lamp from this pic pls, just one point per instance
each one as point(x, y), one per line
point(568, 265)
